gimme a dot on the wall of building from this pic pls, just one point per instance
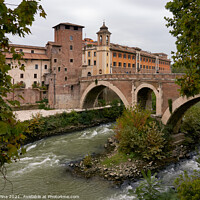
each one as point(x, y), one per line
point(30, 96)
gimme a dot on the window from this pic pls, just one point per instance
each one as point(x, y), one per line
point(100, 71)
point(36, 66)
point(146, 59)
point(95, 62)
point(21, 75)
point(149, 60)
point(114, 64)
point(89, 62)
point(71, 37)
point(32, 51)
point(133, 57)
point(94, 54)
point(45, 66)
point(129, 64)
point(71, 60)
point(89, 74)
point(75, 28)
point(72, 87)
point(107, 39)
point(124, 64)
point(71, 47)
point(35, 82)
point(119, 55)
point(147, 67)
point(133, 65)
point(129, 57)
point(124, 56)
point(88, 53)
point(59, 69)
point(114, 55)
point(119, 64)
point(143, 59)
point(42, 82)
point(107, 64)
point(21, 50)
point(55, 60)
point(67, 27)
point(65, 78)
point(65, 69)
point(140, 66)
point(35, 75)
point(107, 54)
point(143, 66)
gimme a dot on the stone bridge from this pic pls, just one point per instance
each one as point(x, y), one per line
point(137, 88)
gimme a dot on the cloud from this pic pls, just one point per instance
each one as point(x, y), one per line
point(132, 22)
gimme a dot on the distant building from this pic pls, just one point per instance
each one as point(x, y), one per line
point(53, 71)
point(103, 57)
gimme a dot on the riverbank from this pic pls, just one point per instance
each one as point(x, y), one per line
point(56, 122)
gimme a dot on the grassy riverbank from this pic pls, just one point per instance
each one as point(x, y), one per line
point(41, 127)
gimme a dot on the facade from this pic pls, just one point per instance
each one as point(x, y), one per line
point(54, 71)
point(103, 57)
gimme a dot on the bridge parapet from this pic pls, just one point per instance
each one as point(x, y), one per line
point(139, 76)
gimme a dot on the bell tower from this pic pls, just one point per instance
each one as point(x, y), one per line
point(103, 50)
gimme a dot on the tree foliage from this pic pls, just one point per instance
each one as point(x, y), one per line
point(185, 25)
point(137, 132)
point(15, 21)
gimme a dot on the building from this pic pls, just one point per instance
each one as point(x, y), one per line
point(54, 71)
point(103, 57)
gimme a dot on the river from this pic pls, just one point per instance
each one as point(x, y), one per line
point(41, 172)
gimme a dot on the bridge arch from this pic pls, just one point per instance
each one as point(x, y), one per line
point(179, 107)
point(147, 88)
point(93, 90)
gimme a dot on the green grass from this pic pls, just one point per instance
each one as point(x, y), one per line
point(116, 159)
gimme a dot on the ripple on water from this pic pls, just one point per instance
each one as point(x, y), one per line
point(36, 163)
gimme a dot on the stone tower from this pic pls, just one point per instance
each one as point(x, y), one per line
point(66, 63)
point(103, 51)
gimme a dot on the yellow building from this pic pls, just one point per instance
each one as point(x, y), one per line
point(103, 57)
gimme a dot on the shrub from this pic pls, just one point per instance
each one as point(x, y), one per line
point(150, 189)
point(35, 125)
point(138, 133)
point(191, 123)
point(87, 161)
point(188, 187)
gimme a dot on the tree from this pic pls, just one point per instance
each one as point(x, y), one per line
point(185, 25)
point(16, 21)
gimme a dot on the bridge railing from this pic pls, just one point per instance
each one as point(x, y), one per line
point(140, 75)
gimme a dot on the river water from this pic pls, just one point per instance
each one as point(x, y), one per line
point(41, 172)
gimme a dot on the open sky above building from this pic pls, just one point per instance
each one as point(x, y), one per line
point(137, 23)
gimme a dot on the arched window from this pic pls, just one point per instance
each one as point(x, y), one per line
point(107, 39)
point(89, 74)
point(100, 39)
point(100, 71)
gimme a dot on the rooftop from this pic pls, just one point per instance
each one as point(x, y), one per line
point(69, 24)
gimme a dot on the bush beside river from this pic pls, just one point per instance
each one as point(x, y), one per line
point(40, 127)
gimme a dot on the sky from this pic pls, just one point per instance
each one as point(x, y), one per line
point(134, 23)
